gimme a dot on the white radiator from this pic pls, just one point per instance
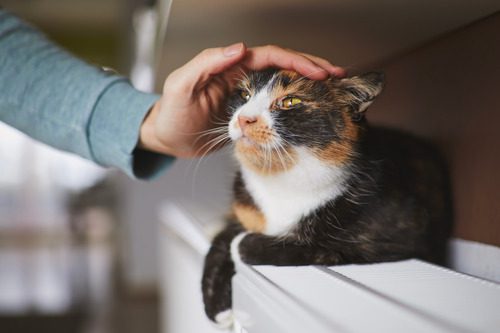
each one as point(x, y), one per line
point(405, 296)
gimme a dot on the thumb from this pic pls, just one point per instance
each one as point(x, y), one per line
point(213, 61)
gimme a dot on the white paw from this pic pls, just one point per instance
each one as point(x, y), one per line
point(234, 249)
point(225, 319)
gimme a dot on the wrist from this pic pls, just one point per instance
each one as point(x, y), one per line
point(148, 138)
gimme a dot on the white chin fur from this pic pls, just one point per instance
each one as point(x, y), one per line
point(286, 197)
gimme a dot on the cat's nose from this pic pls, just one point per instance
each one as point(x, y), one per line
point(244, 121)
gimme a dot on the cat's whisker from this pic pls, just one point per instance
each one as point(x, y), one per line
point(269, 154)
point(210, 136)
point(278, 142)
point(221, 123)
point(272, 156)
point(215, 119)
point(201, 134)
point(219, 141)
point(205, 151)
point(277, 149)
point(280, 148)
point(211, 144)
point(222, 140)
point(211, 130)
point(266, 159)
point(282, 159)
point(214, 132)
point(292, 160)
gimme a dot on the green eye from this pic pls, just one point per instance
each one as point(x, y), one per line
point(290, 102)
point(245, 95)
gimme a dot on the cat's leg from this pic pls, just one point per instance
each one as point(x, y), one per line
point(217, 273)
point(260, 249)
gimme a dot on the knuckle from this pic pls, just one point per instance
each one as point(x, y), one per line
point(207, 52)
point(271, 47)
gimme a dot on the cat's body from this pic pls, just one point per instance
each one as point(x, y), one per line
point(318, 185)
point(387, 206)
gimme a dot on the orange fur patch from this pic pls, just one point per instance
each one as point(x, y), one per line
point(341, 152)
point(250, 217)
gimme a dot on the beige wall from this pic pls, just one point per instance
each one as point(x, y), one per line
point(449, 91)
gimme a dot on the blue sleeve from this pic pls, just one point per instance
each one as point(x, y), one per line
point(60, 100)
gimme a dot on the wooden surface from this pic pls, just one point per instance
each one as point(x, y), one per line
point(449, 91)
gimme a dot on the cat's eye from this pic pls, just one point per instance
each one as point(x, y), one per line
point(290, 102)
point(245, 95)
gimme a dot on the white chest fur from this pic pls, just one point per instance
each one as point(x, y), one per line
point(286, 197)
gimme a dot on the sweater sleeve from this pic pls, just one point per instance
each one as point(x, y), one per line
point(64, 102)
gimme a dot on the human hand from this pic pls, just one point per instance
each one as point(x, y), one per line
point(183, 121)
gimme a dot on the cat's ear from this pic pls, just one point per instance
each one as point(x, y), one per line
point(358, 92)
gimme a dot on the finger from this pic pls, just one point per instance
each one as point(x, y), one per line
point(211, 62)
point(262, 57)
point(332, 69)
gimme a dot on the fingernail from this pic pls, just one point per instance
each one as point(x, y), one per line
point(338, 71)
point(233, 49)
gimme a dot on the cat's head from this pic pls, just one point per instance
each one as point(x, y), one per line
point(277, 114)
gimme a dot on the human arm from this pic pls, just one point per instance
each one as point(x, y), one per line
point(64, 102)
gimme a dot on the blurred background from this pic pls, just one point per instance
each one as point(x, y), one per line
point(65, 247)
point(79, 244)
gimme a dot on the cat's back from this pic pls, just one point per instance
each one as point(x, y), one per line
point(412, 185)
point(405, 158)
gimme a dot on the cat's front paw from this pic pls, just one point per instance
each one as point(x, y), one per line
point(217, 292)
point(224, 320)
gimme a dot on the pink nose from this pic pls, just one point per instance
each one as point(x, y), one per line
point(244, 121)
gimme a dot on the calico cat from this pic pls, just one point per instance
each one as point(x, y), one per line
point(318, 185)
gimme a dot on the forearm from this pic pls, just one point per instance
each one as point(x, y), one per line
point(62, 101)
